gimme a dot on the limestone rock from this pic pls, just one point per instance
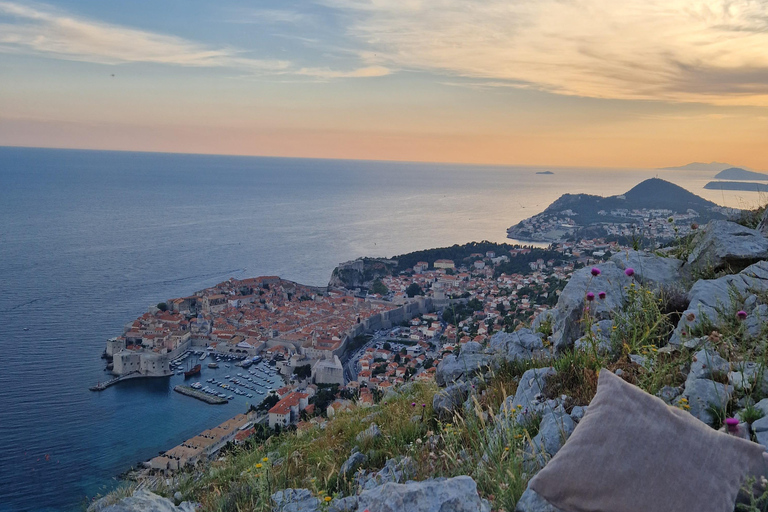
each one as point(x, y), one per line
point(449, 399)
point(454, 367)
point(651, 270)
point(531, 501)
point(554, 430)
point(528, 398)
point(295, 500)
point(145, 501)
point(706, 364)
point(352, 464)
point(369, 434)
point(566, 316)
point(396, 470)
point(724, 244)
point(457, 494)
point(703, 393)
point(519, 345)
point(600, 337)
point(471, 347)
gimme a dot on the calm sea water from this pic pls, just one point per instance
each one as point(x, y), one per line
point(89, 239)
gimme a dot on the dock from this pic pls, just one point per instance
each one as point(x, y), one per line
point(205, 397)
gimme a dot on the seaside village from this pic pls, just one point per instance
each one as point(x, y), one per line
point(353, 343)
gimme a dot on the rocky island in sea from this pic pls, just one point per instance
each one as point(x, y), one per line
point(653, 209)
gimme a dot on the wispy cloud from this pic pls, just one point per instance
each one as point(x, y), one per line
point(711, 51)
point(326, 73)
point(44, 31)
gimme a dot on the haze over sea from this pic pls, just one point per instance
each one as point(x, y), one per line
point(90, 239)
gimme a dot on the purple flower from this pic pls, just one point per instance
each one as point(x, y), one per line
point(731, 422)
point(630, 271)
point(742, 315)
point(595, 271)
point(590, 296)
point(413, 404)
point(423, 405)
point(601, 295)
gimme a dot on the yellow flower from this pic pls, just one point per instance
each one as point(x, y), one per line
point(519, 406)
point(327, 498)
point(258, 466)
point(506, 448)
point(265, 459)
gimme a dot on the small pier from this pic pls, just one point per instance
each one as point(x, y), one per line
point(205, 397)
point(101, 386)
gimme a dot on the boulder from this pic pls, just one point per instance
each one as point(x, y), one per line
point(712, 298)
point(531, 501)
point(352, 464)
point(703, 394)
point(295, 500)
point(528, 398)
point(452, 367)
point(145, 501)
point(457, 494)
point(523, 344)
point(396, 470)
point(760, 428)
point(600, 337)
point(369, 434)
point(706, 364)
point(724, 244)
point(449, 400)
point(651, 270)
point(555, 428)
point(471, 347)
point(566, 316)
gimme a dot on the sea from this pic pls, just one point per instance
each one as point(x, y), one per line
point(90, 239)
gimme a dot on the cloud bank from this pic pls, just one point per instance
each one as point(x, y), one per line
point(710, 51)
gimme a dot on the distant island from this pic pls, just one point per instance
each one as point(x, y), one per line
point(700, 166)
point(654, 208)
point(745, 186)
point(736, 173)
point(544, 172)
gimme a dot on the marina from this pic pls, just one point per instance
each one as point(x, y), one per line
point(194, 393)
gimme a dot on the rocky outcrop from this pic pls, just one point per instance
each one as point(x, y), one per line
point(360, 273)
point(396, 470)
point(295, 500)
point(566, 317)
point(710, 299)
point(145, 501)
point(452, 367)
point(448, 400)
point(352, 464)
point(369, 434)
point(651, 270)
point(457, 494)
point(724, 244)
point(530, 501)
point(555, 428)
point(529, 398)
point(521, 345)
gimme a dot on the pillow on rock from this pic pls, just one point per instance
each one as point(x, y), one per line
point(633, 453)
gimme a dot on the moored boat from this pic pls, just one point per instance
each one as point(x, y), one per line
point(194, 371)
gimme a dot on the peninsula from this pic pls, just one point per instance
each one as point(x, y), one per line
point(654, 209)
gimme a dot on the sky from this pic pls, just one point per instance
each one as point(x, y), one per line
point(594, 83)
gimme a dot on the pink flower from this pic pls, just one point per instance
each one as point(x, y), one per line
point(413, 404)
point(590, 296)
point(601, 295)
point(742, 315)
point(595, 271)
point(629, 271)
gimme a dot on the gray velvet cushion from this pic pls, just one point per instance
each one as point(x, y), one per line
point(633, 453)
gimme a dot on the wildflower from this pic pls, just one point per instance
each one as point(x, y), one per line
point(413, 404)
point(424, 405)
point(595, 271)
point(258, 466)
point(327, 499)
point(601, 295)
point(694, 226)
point(519, 406)
point(506, 448)
point(670, 220)
point(265, 459)
point(690, 317)
point(742, 315)
point(590, 296)
point(629, 271)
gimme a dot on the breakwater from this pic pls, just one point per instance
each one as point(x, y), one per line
point(188, 391)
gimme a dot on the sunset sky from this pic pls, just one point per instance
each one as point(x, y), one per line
point(630, 83)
